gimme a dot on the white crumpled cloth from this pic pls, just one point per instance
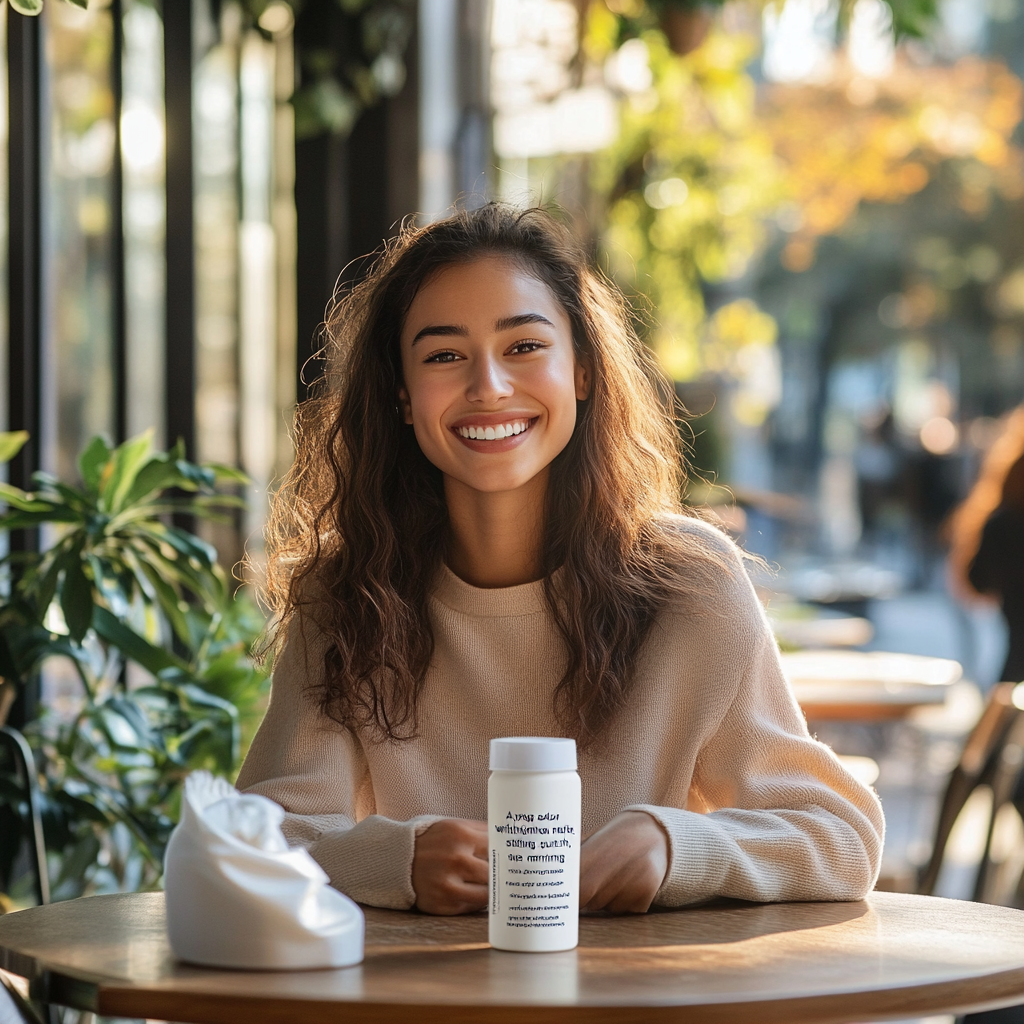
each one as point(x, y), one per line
point(237, 896)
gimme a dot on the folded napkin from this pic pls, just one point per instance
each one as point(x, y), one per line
point(237, 896)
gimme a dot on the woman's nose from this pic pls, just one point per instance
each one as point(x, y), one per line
point(488, 381)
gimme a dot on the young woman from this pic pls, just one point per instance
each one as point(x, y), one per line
point(482, 536)
point(986, 557)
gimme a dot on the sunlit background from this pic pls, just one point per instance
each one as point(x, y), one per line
point(816, 209)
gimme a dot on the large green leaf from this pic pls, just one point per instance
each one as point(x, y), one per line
point(20, 499)
point(116, 588)
point(11, 442)
point(92, 462)
point(188, 544)
point(76, 597)
point(157, 475)
point(153, 659)
point(197, 476)
point(228, 473)
point(29, 7)
point(51, 514)
point(169, 599)
point(42, 587)
point(74, 499)
point(127, 460)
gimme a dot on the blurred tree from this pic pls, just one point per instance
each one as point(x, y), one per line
point(855, 140)
point(707, 166)
point(689, 185)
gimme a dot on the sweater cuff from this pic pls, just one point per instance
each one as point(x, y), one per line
point(691, 876)
point(372, 862)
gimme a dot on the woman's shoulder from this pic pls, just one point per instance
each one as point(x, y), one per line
point(702, 547)
point(710, 566)
point(701, 532)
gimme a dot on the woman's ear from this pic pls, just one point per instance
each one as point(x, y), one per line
point(583, 377)
point(404, 405)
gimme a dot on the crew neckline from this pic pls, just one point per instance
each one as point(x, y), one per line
point(488, 602)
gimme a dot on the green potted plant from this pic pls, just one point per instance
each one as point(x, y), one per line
point(160, 646)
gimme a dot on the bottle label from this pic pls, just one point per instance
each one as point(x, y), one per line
point(535, 876)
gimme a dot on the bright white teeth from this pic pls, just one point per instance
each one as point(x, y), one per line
point(495, 433)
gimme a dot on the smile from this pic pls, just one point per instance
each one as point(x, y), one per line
point(496, 432)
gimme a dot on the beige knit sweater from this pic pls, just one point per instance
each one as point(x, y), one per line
point(712, 744)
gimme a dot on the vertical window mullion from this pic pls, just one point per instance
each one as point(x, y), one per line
point(25, 244)
point(24, 263)
point(117, 246)
point(180, 244)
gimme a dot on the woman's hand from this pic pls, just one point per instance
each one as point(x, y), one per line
point(449, 868)
point(623, 864)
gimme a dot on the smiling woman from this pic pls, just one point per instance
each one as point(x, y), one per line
point(482, 536)
point(492, 402)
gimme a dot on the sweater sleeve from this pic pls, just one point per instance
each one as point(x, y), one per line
point(315, 769)
point(784, 820)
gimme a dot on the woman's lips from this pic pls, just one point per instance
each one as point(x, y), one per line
point(514, 429)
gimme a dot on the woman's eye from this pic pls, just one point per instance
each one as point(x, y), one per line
point(441, 357)
point(527, 346)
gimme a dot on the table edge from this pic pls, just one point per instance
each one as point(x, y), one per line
point(87, 990)
point(991, 991)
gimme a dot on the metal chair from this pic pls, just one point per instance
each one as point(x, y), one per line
point(993, 756)
point(21, 755)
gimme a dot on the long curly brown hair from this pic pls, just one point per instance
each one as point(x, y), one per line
point(359, 530)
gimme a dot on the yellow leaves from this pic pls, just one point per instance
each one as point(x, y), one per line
point(690, 182)
point(1009, 297)
point(678, 354)
point(601, 33)
point(739, 342)
point(736, 325)
point(842, 145)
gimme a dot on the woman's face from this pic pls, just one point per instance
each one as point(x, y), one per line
point(491, 378)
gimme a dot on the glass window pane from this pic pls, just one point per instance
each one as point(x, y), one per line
point(78, 325)
point(142, 145)
point(215, 109)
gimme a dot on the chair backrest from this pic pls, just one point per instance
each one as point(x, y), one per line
point(993, 756)
point(13, 743)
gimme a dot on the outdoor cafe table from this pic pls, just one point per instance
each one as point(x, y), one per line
point(888, 956)
point(862, 686)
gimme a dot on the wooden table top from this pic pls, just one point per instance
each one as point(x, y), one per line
point(867, 685)
point(889, 956)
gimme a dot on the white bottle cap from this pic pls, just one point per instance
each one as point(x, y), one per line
point(533, 754)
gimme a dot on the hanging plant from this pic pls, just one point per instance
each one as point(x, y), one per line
point(685, 23)
point(34, 7)
point(336, 89)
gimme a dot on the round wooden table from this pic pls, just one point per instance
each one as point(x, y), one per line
point(861, 686)
point(888, 956)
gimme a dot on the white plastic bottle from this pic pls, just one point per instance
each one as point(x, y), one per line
point(533, 823)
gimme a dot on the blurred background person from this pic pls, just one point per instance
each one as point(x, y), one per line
point(987, 551)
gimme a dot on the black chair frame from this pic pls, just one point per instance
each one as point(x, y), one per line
point(24, 763)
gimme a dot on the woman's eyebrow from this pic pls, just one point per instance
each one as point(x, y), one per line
point(441, 331)
point(520, 320)
point(506, 323)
